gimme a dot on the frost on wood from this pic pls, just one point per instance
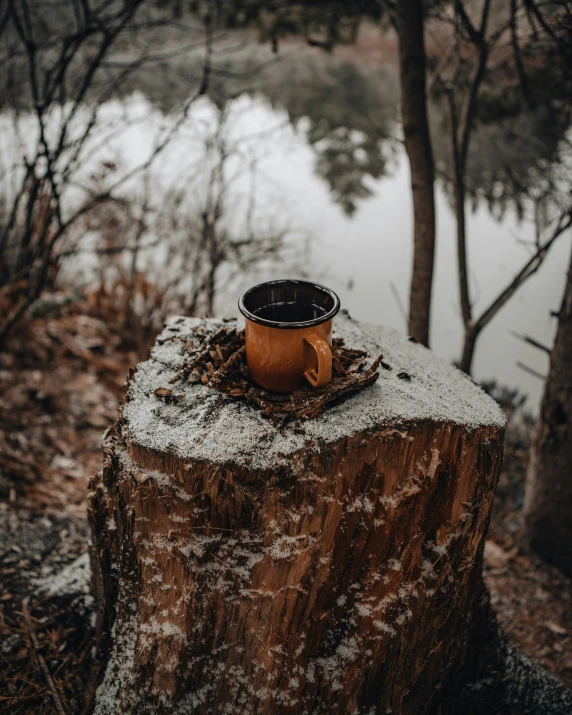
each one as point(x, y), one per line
point(192, 428)
point(332, 566)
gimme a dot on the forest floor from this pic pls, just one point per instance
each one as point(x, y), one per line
point(61, 379)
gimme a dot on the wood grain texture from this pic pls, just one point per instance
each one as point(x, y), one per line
point(343, 579)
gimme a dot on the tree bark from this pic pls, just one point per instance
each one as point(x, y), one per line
point(471, 330)
point(409, 19)
point(469, 344)
point(331, 566)
point(460, 218)
point(547, 525)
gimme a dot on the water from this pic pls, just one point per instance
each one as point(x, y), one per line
point(365, 258)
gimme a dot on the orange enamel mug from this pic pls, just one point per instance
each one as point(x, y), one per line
point(289, 333)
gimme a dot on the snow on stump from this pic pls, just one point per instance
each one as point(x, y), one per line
point(330, 566)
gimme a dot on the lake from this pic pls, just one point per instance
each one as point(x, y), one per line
point(366, 257)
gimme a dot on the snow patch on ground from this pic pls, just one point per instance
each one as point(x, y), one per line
point(73, 579)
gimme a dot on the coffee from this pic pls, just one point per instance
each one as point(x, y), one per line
point(290, 312)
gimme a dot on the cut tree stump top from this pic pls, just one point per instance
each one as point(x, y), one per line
point(415, 386)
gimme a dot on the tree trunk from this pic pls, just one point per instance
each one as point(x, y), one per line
point(330, 566)
point(471, 332)
point(469, 344)
point(547, 525)
point(409, 16)
point(460, 218)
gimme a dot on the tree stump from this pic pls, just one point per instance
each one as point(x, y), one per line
point(330, 566)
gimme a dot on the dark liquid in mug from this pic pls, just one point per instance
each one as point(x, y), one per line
point(290, 312)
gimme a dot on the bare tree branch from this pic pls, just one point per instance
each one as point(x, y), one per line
point(529, 268)
point(533, 342)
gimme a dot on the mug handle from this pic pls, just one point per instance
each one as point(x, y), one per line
point(322, 374)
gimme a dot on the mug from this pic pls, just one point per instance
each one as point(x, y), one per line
point(289, 333)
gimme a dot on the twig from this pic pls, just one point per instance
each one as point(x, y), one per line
point(532, 341)
point(530, 267)
point(41, 661)
point(228, 367)
point(219, 362)
point(530, 370)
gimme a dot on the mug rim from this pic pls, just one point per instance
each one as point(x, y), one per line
point(297, 324)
